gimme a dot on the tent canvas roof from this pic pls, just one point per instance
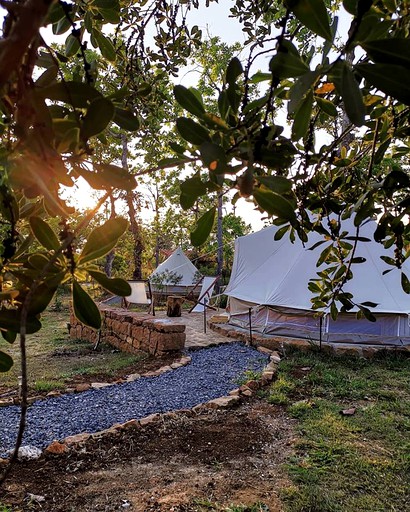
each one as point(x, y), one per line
point(179, 263)
point(276, 273)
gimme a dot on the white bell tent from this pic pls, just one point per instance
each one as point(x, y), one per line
point(177, 274)
point(268, 289)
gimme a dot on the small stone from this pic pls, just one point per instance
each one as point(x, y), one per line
point(29, 453)
point(264, 350)
point(149, 420)
point(131, 424)
point(6, 402)
point(100, 385)
point(198, 408)
point(53, 393)
point(165, 369)
point(234, 392)
point(133, 376)
point(77, 439)
point(253, 385)
point(35, 498)
point(56, 448)
point(82, 387)
point(246, 392)
point(174, 366)
point(223, 402)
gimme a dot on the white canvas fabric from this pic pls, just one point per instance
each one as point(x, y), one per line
point(269, 281)
point(179, 263)
point(207, 289)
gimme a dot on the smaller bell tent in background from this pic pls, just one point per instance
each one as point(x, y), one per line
point(177, 275)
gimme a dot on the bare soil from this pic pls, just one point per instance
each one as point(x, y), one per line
point(187, 462)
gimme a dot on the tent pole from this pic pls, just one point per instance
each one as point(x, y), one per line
point(250, 327)
point(320, 331)
point(205, 306)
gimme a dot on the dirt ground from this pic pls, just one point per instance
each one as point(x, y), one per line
point(187, 462)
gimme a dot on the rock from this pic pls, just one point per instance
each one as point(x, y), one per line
point(53, 393)
point(223, 402)
point(234, 392)
point(174, 366)
point(56, 448)
point(77, 439)
point(132, 377)
point(246, 392)
point(264, 350)
point(100, 385)
point(82, 387)
point(253, 385)
point(149, 420)
point(35, 498)
point(29, 453)
point(131, 424)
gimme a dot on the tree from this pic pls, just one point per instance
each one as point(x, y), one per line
point(51, 130)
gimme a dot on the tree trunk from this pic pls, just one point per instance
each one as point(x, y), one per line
point(219, 238)
point(135, 228)
point(174, 304)
point(110, 256)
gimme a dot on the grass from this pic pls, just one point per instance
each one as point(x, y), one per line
point(347, 463)
point(54, 358)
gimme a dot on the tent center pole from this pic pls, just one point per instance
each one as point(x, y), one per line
point(250, 327)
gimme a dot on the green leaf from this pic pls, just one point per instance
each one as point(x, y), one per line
point(126, 119)
point(10, 320)
point(203, 228)
point(9, 336)
point(391, 79)
point(405, 283)
point(277, 184)
point(389, 51)
point(72, 45)
point(324, 254)
point(367, 314)
point(191, 131)
point(6, 362)
point(191, 189)
point(214, 157)
point(108, 176)
point(103, 239)
point(76, 94)
point(333, 311)
point(300, 89)
point(98, 116)
point(352, 96)
point(85, 309)
point(114, 285)
point(42, 298)
point(327, 106)
point(188, 100)
point(105, 45)
point(281, 232)
point(313, 15)
point(274, 204)
point(287, 65)
point(302, 117)
point(44, 234)
point(109, 10)
point(233, 71)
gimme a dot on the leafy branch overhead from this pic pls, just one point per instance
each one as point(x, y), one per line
point(355, 90)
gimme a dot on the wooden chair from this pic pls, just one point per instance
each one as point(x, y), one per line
point(207, 288)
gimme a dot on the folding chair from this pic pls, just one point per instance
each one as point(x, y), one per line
point(139, 295)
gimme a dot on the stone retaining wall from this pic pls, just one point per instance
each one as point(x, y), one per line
point(132, 332)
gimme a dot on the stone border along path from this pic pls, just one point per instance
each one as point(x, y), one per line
point(196, 339)
point(234, 397)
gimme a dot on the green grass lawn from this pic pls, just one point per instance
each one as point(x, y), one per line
point(54, 359)
point(347, 463)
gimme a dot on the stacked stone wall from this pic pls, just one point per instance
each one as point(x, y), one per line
point(132, 332)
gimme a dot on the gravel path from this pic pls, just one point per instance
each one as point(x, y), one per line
point(212, 373)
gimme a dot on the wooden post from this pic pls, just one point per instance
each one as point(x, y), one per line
point(174, 303)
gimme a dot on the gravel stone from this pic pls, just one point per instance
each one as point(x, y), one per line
point(213, 372)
